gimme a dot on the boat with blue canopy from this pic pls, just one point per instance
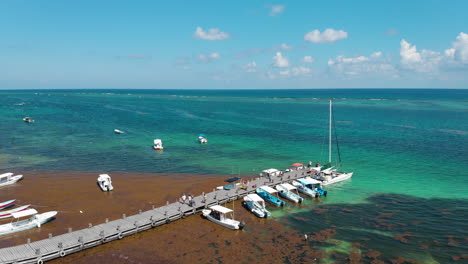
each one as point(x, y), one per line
point(305, 190)
point(313, 184)
point(266, 193)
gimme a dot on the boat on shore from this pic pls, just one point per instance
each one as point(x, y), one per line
point(256, 205)
point(218, 214)
point(267, 192)
point(286, 191)
point(202, 139)
point(157, 144)
point(35, 221)
point(105, 182)
point(8, 178)
point(6, 214)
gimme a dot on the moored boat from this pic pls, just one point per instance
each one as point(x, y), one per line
point(305, 190)
point(6, 214)
point(105, 182)
point(28, 120)
point(118, 131)
point(7, 204)
point(256, 205)
point(218, 214)
point(8, 178)
point(158, 144)
point(285, 190)
point(35, 221)
point(267, 192)
point(313, 184)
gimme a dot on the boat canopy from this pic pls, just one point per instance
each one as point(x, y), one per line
point(271, 171)
point(103, 177)
point(202, 135)
point(6, 174)
point(288, 186)
point(308, 180)
point(232, 179)
point(24, 213)
point(157, 141)
point(297, 164)
point(221, 209)
point(268, 189)
point(254, 197)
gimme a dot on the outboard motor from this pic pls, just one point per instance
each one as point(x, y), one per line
point(241, 225)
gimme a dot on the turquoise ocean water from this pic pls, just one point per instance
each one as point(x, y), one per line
point(408, 150)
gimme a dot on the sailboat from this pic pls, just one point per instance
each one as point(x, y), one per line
point(328, 174)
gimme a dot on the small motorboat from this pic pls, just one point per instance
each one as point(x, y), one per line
point(218, 214)
point(35, 221)
point(256, 205)
point(28, 120)
point(158, 144)
point(117, 131)
point(305, 190)
point(266, 193)
point(313, 184)
point(105, 183)
point(202, 139)
point(7, 204)
point(8, 178)
point(285, 190)
point(6, 214)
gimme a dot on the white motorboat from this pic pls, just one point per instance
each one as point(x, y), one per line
point(8, 178)
point(6, 214)
point(28, 120)
point(218, 214)
point(202, 139)
point(305, 190)
point(158, 144)
point(256, 205)
point(35, 221)
point(105, 183)
point(117, 131)
point(285, 190)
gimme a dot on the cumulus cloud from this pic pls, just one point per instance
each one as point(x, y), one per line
point(250, 67)
point(307, 59)
point(424, 61)
point(374, 64)
point(211, 34)
point(296, 71)
point(276, 10)
point(208, 57)
point(460, 48)
point(328, 36)
point(280, 61)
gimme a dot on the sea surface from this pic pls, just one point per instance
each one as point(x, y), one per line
point(408, 149)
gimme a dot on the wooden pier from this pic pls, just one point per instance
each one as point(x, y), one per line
point(75, 241)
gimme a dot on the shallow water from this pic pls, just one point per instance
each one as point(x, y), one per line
point(407, 149)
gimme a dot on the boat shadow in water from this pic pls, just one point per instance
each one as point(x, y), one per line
point(392, 228)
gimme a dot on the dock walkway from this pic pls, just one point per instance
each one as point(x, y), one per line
point(75, 241)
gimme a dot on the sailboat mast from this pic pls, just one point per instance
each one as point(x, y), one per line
point(330, 136)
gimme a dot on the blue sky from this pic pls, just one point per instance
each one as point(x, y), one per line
point(233, 44)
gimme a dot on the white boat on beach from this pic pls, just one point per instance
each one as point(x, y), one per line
point(35, 221)
point(218, 214)
point(117, 131)
point(105, 183)
point(8, 178)
point(6, 214)
point(158, 144)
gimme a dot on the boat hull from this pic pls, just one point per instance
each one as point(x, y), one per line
point(340, 178)
point(35, 221)
point(12, 180)
point(232, 224)
point(270, 198)
point(6, 214)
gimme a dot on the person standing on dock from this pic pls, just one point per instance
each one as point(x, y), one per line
point(184, 198)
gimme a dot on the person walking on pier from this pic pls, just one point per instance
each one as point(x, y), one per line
point(184, 198)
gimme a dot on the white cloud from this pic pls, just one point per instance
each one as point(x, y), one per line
point(424, 61)
point(250, 67)
point(208, 57)
point(214, 55)
point(307, 59)
point(296, 71)
point(280, 61)
point(375, 64)
point(328, 36)
point(460, 47)
point(285, 46)
point(276, 10)
point(211, 34)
